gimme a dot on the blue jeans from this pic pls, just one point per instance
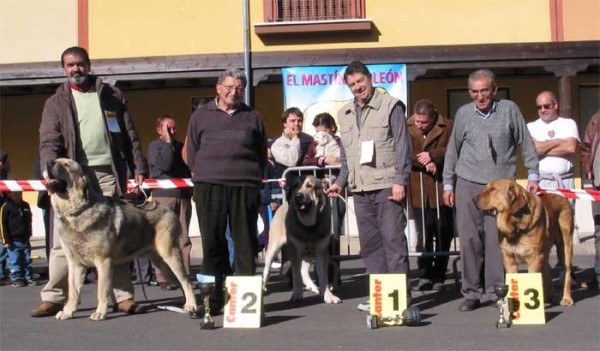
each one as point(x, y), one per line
point(3, 256)
point(19, 260)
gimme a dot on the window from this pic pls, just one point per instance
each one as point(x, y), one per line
point(302, 16)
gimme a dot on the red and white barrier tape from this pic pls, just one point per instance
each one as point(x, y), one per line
point(581, 194)
point(22, 185)
point(172, 183)
point(38, 185)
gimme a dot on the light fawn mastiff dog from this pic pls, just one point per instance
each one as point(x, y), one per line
point(304, 223)
point(528, 226)
point(97, 231)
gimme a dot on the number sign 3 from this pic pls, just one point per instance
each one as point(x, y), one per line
point(526, 298)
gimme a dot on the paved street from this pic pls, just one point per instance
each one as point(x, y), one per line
point(310, 325)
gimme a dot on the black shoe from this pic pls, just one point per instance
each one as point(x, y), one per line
point(424, 284)
point(197, 314)
point(469, 305)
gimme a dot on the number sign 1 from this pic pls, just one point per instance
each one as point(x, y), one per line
point(387, 294)
point(526, 298)
point(244, 306)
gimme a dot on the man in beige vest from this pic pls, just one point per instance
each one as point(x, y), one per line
point(375, 157)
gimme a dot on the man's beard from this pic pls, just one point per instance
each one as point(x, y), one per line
point(79, 80)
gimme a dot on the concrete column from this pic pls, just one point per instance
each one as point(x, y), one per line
point(565, 73)
point(564, 96)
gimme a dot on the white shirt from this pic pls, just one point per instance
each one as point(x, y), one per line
point(560, 128)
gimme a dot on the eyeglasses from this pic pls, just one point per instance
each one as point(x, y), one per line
point(229, 88)
point(545, 106)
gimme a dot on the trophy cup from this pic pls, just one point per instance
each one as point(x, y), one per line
point(410, 317)
point(501, 291)
point(206, 284)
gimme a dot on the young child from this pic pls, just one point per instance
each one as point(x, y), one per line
point(15, 230)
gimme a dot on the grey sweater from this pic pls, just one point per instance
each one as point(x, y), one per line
point(481, 150)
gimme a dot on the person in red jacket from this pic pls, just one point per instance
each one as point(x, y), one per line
point(590, 157)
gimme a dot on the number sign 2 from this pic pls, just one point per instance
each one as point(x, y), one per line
point(526, 298)
point(244, 306)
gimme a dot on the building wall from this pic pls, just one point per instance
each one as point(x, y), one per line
point(142, 28)
point(164, 27)
point(581, 19)
point(39, 30)
point(430, 22)
point(36, 30)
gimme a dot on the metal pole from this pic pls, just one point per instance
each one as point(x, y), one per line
point(247, 64)
point(422, 236)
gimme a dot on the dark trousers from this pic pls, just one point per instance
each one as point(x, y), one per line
point(381, 224)
point(479, 249)
point(216, 205)
point(143, 270)
point(182, 206)
point(435, 237)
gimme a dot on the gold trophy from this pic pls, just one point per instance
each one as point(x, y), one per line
point(206, 284)
point(410, 317)
point(501, 291)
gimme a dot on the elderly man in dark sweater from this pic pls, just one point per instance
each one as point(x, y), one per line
point(482, 148)
point(227, 152)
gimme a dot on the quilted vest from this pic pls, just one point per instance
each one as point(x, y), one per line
point(375, 126)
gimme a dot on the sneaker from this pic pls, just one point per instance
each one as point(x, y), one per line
point(364, 306)
point(276, 264)
point(18, 284)
point(438, 286)
point(32, 282)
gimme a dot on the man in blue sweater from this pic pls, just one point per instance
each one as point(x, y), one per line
point(482, 147)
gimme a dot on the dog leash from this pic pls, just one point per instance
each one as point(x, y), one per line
point(139, 269)
point(159, 307)
point(139, 186)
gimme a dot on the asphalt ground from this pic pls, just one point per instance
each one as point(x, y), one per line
point(309, 325)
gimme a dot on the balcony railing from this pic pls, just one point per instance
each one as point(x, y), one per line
point(313, 10)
